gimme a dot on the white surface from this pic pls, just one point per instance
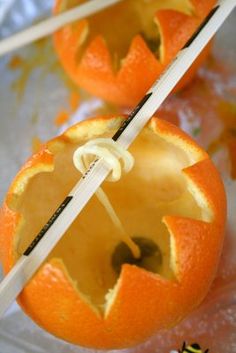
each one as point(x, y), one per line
point(46, 94)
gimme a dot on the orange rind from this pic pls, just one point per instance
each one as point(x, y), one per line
point(173, 197)
point(119, 53)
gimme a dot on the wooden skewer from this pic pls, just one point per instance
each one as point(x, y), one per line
point(51, 233)
point(52, 24)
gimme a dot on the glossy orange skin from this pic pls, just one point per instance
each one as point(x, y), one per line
point(145, 302)
point(140, 68)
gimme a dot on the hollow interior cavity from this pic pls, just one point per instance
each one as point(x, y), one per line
point(155, 187)
point(119, 24)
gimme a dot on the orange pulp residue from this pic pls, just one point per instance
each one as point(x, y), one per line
point(15, 62)
point(74, 100)
point(61, 118)
point(36, 144)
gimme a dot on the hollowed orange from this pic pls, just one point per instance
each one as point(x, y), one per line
point(119, 53)
point(173, 197)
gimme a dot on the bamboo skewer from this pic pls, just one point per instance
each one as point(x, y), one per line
point(52, 24)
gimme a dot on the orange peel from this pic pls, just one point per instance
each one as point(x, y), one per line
point(120, 62)
point(173, 196)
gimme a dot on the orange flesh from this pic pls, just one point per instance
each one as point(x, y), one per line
point(119, 24)
point(155, 187)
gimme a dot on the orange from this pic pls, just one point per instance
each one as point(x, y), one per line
point(173, 201)
point(119, 53)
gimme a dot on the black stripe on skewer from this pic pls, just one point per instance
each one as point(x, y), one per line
point(40, 235)
point(202, 25)
point(131, 116)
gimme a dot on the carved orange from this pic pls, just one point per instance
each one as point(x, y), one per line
point(118, 54)
point(173, 198)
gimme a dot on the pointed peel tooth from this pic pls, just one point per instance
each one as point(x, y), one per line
point(126, 317)
point(175, 28)
point(97, 57)
point(68, 41)
point(12, 223)
point(205, 185)
point(43, 161)
point(96, 65)
point(170, 133)
point(195, 250)
point(139, 55)
point(151, 291)
point(53, 278)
